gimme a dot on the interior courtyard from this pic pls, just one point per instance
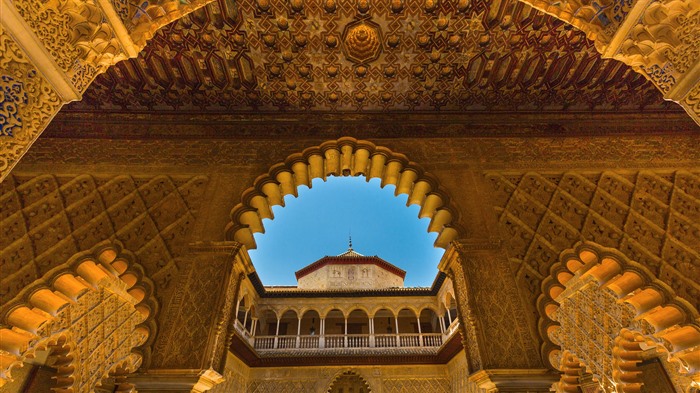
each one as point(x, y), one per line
point(553, 146)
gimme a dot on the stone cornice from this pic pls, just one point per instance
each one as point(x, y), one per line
point(165, 125)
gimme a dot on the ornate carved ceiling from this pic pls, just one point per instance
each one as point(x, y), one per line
point(362, 55)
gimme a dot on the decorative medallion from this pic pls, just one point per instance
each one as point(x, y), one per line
point(362, 42)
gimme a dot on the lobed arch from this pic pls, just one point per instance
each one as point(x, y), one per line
point(647, 309)
point(48, 316)
point(348, 373)
point(344, 157)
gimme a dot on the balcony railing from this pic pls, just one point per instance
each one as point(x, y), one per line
point(416, 340)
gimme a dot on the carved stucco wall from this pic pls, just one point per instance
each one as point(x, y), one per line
point(51, 51)
point(381, 379)
point(458, 370)
point(234, 166)
point(47, 218)
point(27, 102)
point(651, 216)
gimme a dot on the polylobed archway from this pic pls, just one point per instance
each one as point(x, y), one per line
point(99, 292)
point(344, 157)
point(347, 380)
point(597, 288)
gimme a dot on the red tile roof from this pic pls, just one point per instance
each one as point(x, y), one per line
point(350, 258)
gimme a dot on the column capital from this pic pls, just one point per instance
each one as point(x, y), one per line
point(515, 380)
point(176, 381)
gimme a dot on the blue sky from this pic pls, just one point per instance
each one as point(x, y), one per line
point(318, 221)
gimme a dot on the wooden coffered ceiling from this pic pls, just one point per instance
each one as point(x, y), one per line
point(370, 56)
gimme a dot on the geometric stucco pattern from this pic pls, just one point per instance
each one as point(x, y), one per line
point(46, 219)
point(285, 386)
point(265, 56)
point(651, 216)
point(410, 385)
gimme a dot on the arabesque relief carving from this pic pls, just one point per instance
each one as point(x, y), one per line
point(605, 309)
point(91, 314)
point(27, 102)
point(62, 45)
point(659, 39)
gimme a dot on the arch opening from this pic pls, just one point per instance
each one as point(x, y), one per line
point(349, 381)
point(344, 157)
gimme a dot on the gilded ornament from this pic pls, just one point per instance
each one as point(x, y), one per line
point(423, 40)
point(396, 6)
point(417, 71)
point(333, 97)
point(304, 71)
point(360, 96)
point(462, 5)
point(484, 39)
point(239, 39)
point(362, 42)
point(291, 84)
point(282, 23)
point(430, 5)
point(386, 96)
point(275, 70)
point(442, 23)
point(300, 40)
point(331, 41)
point(332, 71)
point(361, 71)
point(393, 41)
point(330, 6)
point(453, 40)
point(435, 56)
point(269, 40)
point(297, 5)
point(287, 56)
point(264, 5)
point(389, 71)
point(363, 6)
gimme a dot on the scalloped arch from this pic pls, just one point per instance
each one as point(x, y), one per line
point(348, 373)
point(344, 157)
point(36, 319)
point(667, 321)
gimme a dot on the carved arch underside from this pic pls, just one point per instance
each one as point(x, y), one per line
point(94, 316)
point(350, 378)
point(344, 157)
point(633, 311)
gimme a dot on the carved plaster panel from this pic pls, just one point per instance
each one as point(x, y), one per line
point(649, 215)
point(47, 218)
point(27, 102)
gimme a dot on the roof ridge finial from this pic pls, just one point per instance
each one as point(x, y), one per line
point(350, 242)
